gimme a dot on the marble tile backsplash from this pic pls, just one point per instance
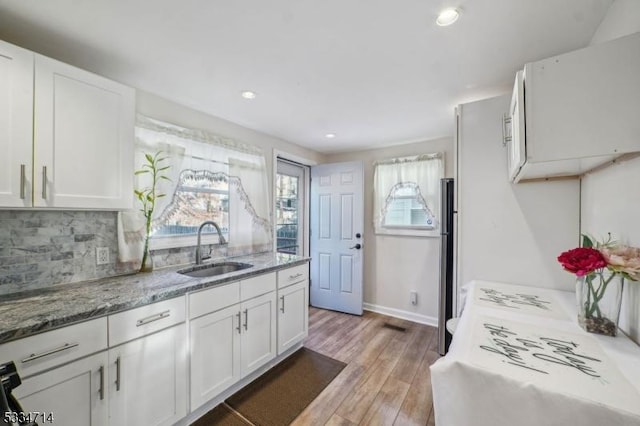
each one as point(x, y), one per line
point(44, 248)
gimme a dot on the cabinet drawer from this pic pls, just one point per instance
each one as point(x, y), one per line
point(43, 351)
point(293, 275)
point(145, 320)
point(213, 299)
point(257, 286)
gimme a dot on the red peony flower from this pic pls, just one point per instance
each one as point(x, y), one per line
point(582, 261)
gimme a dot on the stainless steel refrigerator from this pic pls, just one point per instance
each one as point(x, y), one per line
point(447, 225)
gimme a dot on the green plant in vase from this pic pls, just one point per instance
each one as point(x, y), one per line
point(147, 197)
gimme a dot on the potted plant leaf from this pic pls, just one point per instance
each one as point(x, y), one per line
point(147, 197)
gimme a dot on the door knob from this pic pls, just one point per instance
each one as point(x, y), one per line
point(357, 247)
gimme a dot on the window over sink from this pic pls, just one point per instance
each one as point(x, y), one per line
point(210, 178)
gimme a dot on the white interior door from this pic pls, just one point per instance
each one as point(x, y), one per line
point(336, 236)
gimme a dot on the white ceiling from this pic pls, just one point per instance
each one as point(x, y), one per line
point(374, 72)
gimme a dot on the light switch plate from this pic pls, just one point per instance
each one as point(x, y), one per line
point(102, 255)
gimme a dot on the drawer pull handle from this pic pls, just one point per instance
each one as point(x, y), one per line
point(282, 309)
point(117, 374)
point(239, 328)
point(101, 390)
point(22, 180)
point(152, 318)
point(293, 277)
point(44, 182)
point(64, 347)
point(246, 319)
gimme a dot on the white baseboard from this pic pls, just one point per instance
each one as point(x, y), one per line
point(399, 313)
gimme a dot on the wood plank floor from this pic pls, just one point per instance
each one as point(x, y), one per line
point(386, 380)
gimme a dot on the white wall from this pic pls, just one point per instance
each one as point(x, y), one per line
point(396, 265)
point(508, 232)
point(611, 198)
point(622, 18)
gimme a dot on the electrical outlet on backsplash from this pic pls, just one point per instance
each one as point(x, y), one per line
point(45, 248)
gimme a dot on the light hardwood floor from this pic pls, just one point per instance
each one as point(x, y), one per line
point(386, 380)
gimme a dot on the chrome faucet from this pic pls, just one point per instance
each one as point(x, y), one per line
point(221, 239)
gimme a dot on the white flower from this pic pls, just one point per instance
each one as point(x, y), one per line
point(624, 259)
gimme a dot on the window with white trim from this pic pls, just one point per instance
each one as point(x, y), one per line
point(407, 195)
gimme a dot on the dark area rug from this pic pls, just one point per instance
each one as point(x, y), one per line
point(220, 416)
point(277, 397)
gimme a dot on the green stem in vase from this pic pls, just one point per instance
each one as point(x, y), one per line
point(148, 197)
point(592, 308)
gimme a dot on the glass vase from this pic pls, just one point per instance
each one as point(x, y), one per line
point(599, 297)
point(147, 260)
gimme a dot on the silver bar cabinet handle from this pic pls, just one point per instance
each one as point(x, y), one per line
point(118, 374)
point(154, 317)
point(506, 135)
point(292, 277)
point(239, 327)
point(246, 319)
point(101, 390)
point(22, 180)
point(44, 182)
point(64, 347)
point(282, 308)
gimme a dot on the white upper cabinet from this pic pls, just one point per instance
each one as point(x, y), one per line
point(515, 145)
point(16, 125)
point(66, 135)
point(83, 138)
point(581, 110)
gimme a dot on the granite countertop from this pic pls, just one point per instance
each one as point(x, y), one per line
point(31, 312)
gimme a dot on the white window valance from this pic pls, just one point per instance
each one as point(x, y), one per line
point(407, 195)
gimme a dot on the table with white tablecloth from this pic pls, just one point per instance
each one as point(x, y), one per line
point(519, 358)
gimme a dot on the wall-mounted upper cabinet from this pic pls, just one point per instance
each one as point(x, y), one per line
point(580, 110)
point(16, 125)
point(66, 139)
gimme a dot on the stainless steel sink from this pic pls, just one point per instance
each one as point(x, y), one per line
point(213, 269)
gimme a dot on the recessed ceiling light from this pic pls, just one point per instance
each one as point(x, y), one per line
point(330, 135)
point(448, 17)
point(248, 94)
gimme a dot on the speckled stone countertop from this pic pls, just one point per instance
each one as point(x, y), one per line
point(31, 312)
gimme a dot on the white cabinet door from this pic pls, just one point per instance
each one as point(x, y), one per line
point(293, 315)
point(74, 394)
point(148, 379)
point(258, 341)
point(215, 354)
point(516, 153)
point(16, 121)
point(84, 133)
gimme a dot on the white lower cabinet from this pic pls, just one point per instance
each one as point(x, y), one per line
point(148, 379)
point(229, 344)
point(215, 354)
point(74, 394)
point(293, 315)
point(258, 338)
